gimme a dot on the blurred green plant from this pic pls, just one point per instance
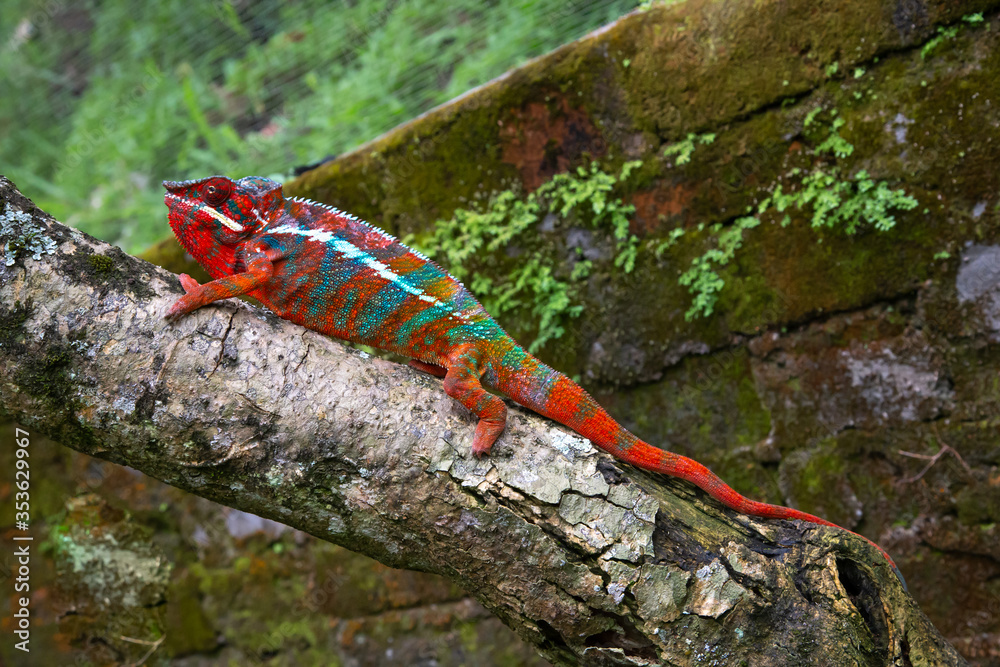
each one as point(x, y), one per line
point(684, 149)
point(103, 100)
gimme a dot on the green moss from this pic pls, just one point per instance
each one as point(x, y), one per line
point(48, 376)
point(12, 321)
point(816, 480)
point(102, 264)
point(111, 572)
point(814, 477)
point(281, 637)
point(844, 203)
point(111, 270)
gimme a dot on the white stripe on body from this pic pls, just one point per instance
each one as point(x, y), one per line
point(351, 251)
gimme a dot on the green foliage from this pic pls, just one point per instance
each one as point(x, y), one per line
point(839, 202)
point(666, 244)
point(474, 243)
point(702, 279)
point(104, 100)
point(685, 148)
point(834, 143)
point(942, 35)
point(831, 199)
point(811, 116)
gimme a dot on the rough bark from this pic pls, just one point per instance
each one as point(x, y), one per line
point(591, 562)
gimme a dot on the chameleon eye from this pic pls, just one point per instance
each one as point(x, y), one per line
point(217, 191)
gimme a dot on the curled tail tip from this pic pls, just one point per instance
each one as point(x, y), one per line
point(899, 575)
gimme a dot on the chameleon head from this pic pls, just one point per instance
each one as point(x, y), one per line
point(216, 212)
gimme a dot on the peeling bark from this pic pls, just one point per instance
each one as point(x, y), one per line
point(590, 561)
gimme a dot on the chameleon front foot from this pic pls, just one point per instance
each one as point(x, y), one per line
point(186, 303)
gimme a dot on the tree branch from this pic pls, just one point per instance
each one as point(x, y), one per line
point(591, 562)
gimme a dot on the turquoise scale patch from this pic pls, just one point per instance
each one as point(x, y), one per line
point(378, 309)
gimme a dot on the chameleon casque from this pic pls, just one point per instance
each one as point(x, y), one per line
point(331, 272)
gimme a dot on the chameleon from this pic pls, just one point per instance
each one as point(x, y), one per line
point(331, 272)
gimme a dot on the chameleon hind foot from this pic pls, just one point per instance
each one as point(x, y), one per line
point(461, 384)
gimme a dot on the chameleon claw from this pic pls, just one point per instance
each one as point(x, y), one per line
point(173, 314)
point(180, 308)
point(188, 283)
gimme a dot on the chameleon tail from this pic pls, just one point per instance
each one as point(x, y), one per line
point(548, 392)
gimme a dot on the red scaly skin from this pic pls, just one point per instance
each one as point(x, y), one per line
point(333, 273)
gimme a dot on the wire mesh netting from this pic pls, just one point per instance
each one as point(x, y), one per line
point(102, 100)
